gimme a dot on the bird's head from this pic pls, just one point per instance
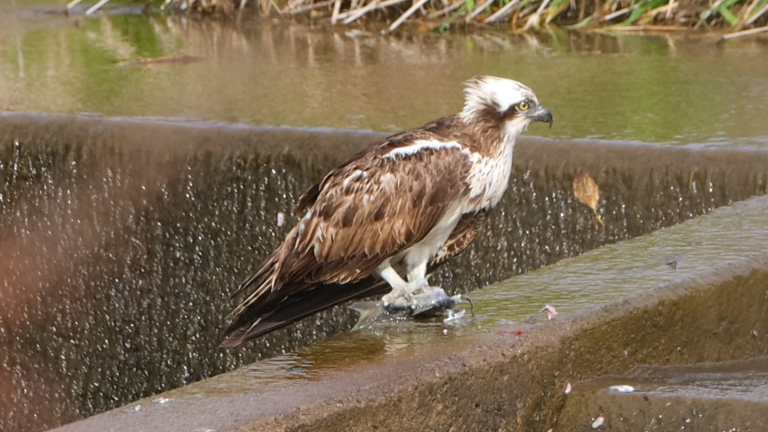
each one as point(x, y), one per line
point(503, 102)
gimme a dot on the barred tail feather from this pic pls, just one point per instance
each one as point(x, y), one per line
point(266, 270)
point(259, 320)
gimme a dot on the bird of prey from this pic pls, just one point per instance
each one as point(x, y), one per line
point(382, 221)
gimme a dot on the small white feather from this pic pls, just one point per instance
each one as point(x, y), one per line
point(420, 145)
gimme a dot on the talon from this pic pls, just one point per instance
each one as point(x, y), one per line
point(396, 295)
point(391, 297)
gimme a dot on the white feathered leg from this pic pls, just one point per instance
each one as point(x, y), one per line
point(401, 288)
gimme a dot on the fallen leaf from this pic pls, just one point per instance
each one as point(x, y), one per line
point(585, 189)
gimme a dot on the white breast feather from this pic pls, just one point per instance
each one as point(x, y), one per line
point(489, 177)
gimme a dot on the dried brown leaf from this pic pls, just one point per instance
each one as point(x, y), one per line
point(585, 189)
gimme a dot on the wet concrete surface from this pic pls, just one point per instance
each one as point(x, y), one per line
point(122, 238)
point(727, 396)
point(507, 368)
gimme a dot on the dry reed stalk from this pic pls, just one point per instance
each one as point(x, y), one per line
point(335, 13)
point(293, 4)
point(707, 13)
point(534, 19)
point(582, 11)
point(479, 9)
point(353, 15)
point(311, 7)
point(666, 8)
point(96, 7)
point(405, 15)
point(745, 33)
point(617, 14)
point(669, 10)
point(501, 13)
point(74, 3)
point(757, 15)
point(447, 10)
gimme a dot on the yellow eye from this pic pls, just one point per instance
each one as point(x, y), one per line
point(523, 106)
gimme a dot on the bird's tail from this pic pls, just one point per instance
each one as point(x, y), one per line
point(264, 279)
point(257, 319)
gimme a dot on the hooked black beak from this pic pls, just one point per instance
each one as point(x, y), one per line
point(541, 114)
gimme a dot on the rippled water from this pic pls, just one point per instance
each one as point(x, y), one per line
point(670, 89)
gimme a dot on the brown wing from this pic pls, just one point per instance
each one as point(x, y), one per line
point(369, 209)
point(372, 209)
point(462, 236)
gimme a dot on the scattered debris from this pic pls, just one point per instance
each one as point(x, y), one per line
point(673, 261)
point(454, 315)
point(517, 332)
point(568, 388)
point(161, 60)
point(585, 189)
point(598, 422)
point(551, 312)
point(622, 388)
point(355, 33)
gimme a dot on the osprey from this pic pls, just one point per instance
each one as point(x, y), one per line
point(386, 218)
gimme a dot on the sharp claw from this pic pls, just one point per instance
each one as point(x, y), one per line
point(396, 295)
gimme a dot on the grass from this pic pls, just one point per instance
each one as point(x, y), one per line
point(732, 17)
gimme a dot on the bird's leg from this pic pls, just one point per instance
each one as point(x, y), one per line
point(417, 278)
point(400, 288)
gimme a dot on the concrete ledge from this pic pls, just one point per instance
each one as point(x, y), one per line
point(621, 306)
point(119, 291)
point(708, 397)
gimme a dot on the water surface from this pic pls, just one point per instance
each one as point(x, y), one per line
point(668, 89)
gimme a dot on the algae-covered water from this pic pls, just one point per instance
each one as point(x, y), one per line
point(674, 88)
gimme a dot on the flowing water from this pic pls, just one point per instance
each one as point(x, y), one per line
point(120, 239)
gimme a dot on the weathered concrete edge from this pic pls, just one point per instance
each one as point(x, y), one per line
point(499, 384)
point(566, 155)
point(516, 383)
point(733, 173)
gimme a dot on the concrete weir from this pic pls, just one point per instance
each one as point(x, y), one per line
point(120, 240)
point(621, 306)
